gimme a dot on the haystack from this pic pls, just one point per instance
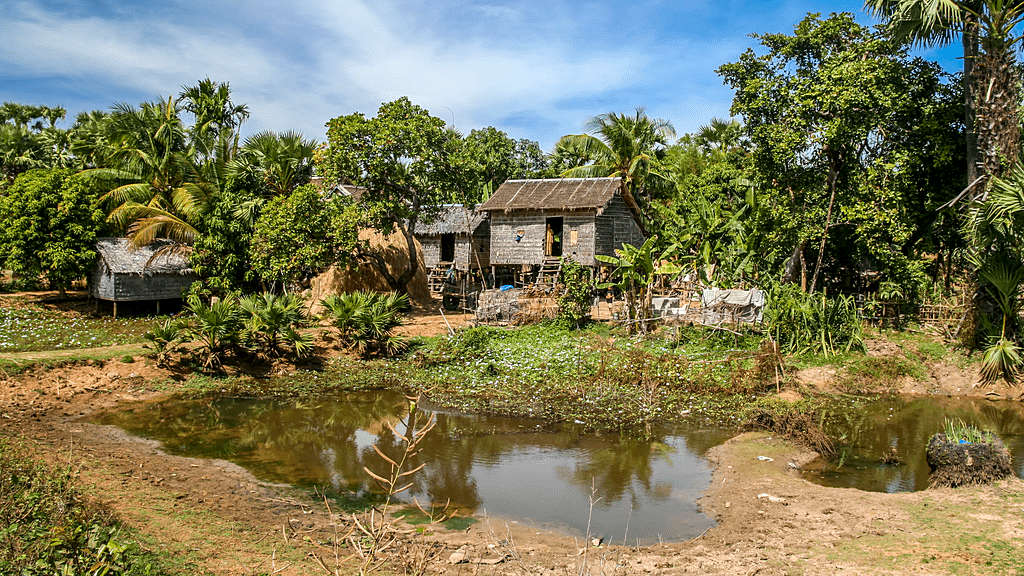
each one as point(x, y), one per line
point(955, 464)
point(340, 279)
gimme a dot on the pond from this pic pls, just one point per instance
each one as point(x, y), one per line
point(642, 490)
point(869, 428)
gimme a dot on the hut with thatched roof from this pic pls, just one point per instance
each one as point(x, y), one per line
point(126, 274)
point(535, 222)
point(454, 235)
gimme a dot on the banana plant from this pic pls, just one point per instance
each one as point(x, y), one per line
point(635, 271)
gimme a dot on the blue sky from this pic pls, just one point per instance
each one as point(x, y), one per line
point(536, 70)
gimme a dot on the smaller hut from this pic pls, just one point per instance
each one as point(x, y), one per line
point(150, 273)
point(455, 235)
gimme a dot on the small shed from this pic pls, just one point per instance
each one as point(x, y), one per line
point(534, 222)
point(455, 235)
point(126, 274)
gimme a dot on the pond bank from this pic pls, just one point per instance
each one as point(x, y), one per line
point(221, 520)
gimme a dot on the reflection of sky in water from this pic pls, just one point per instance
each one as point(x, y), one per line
point(869, 430)
point(507, 468)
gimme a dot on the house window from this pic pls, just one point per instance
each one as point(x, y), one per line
point(447, 247)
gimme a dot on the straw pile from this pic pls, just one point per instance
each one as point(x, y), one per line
point(955, 464)
point(535, 310)
point(341, 279)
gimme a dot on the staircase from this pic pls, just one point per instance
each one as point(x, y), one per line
point(549, 274)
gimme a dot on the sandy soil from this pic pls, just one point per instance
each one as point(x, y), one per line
point(770, 521)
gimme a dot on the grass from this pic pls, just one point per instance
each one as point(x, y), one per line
point(18, 362)
point(31, 328)
point(48, 526)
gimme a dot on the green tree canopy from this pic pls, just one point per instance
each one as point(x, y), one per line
point(850, 134)
point(408, 162)
point(50, 226)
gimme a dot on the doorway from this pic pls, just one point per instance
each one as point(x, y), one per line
point(553, 238)
point(447, 247)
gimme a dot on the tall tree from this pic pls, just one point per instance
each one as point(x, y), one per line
point(838, 117)
point(50, 226)
point(493, 157)
point(987, 32)
point(156, 190)
point(281, 161)
point(407, 160)
point(29, 138)
point(622, 146)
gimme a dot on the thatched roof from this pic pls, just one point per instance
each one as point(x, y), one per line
point(554, 194)
point(119, 257)
point(450, 219)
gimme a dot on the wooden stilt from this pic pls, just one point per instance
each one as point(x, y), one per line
point(115, 309)
point(157, 307)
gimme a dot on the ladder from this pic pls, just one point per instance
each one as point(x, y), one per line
point(549, 274)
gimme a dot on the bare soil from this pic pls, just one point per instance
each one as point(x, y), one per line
point(219, 519)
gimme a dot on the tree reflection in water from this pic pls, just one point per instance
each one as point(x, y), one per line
point(327, 442)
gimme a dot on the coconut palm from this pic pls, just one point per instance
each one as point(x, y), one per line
point(987, 31)
point(157, 192)
point(621, 146)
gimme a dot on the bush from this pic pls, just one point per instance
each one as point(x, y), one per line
point(366, 321)
point(272, 322)
point(574, 303)
point(800, 322)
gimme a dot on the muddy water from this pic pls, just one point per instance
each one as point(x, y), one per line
point(868, 429)
point(505, 468)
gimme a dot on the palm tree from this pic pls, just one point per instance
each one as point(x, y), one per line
point(721, 135)
point(986, 28)
point(163, 193)
point(621, 146)
point(282, 161)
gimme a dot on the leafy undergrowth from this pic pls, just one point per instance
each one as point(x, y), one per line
point(47, 527)
point(32, 328)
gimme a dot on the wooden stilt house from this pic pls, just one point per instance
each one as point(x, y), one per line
point(453, 236)
point(534, 223)
point(126, 274)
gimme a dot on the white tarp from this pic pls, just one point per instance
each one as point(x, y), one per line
point(731, 306)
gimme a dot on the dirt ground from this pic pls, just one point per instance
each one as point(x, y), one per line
point(221, 520)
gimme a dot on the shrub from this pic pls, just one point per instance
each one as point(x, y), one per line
point(272, 321)
point(215, 326)
point(366, 321)
point(800, 322)
point(574, 303)
point(163, 339)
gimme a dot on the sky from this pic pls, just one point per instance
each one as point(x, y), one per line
point(534, 69)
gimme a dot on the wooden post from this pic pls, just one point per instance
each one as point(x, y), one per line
point(115, 309)
point(158, 307)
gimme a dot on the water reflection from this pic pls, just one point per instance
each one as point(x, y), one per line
point(870, 428)
point(504, 467)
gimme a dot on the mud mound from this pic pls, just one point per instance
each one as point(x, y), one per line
point(341, 279)
point(955, 464)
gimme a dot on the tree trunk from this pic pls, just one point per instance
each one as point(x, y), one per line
point(833, 176)
point(970, 42)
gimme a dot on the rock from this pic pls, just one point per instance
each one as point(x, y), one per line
point(457, 557)
point(113, 375)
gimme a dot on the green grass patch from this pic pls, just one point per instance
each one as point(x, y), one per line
point(16, 363)
point(412, 515)
point(32, 328)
